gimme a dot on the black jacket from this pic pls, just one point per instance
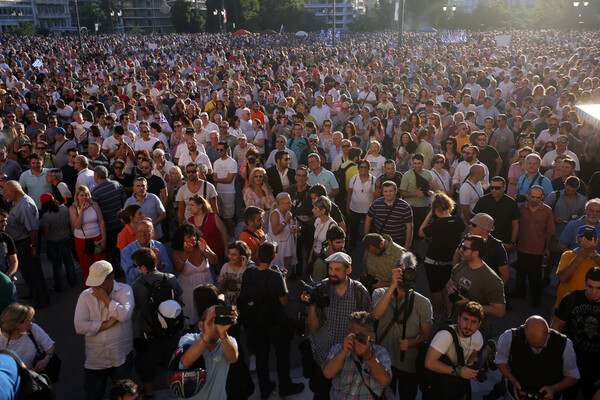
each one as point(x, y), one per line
point(275, 180)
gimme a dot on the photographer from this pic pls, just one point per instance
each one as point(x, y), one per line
point(404, 323)
point(381, 255)
point(473, 280)
point(451, 357)
point(537, 362)
point(329, 324)
point(358, 355)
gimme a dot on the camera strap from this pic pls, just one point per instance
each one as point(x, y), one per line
point(396, 319)
point(360, 369)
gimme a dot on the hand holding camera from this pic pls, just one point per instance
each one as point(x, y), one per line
point(458, 295)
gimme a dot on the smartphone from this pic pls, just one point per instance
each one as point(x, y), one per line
point(589, 234)
point(222, 315)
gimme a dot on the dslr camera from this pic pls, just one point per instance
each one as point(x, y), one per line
point(481, 372)
point(454, 297)
point(317, 292)
point(409, 274)
point(365, 337)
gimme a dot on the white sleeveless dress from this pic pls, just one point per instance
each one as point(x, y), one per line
point(286, 245)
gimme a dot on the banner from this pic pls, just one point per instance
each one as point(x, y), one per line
point(503, 40)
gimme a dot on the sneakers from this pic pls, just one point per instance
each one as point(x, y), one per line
point(491, 358)
point(252, 363)
point(293, 388)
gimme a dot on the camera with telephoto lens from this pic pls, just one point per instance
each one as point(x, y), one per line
point(530, 394)
point(481, 372)
point(317, 292)
point(454, 297)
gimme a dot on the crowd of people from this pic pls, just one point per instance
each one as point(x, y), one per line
point(192, 177)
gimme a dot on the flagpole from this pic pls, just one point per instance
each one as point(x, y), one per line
point(401, 26)
point(333, 26)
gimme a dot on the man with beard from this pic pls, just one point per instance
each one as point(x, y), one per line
point(443, 344)
point(568, 238)
point(578, 317)
point(329, 325)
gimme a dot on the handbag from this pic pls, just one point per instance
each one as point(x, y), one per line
point(91, 246)
point(52, 370)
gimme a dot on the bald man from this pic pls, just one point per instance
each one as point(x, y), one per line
point(536, 359)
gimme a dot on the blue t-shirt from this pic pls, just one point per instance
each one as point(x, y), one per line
point(9, 378)
point(217, 367)
point(538, 179)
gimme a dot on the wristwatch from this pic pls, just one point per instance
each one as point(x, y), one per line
point(456, 371)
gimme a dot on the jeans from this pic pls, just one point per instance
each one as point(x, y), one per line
point(59, 253)
point(282, 356)
point(95, 380)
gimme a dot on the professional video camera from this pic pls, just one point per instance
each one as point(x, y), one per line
point(317, 292)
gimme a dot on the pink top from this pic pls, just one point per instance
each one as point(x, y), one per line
point(515, 171)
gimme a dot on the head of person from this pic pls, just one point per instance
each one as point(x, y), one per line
point(476, 172)
point(80, 163)
point(339, 266)
point(125, 389)
point(362, 322)
point(101, 275)
point(17, 318)
point(572, 185)
point(100, 173)
point(535, 195)
point(536, 331)
point(532, 163)
point(314, 161)
point(441, 204)
point(282, 159)
point(222, 148)
point(238, 252)
point(283, 202)
point(592, 284)
point(321, 207)
point(253, 218)
point(364, 167)
point(185, 234)
point(144, 232)
point(140, 186)
point(301, 175)
point(472, 248)
point(470, 153)
point(336, 239)
point(199, 204)
point(266, 253)
point(567, 167)
point(592, 211)
point(131, 214)
point(418, 160)
point(374, 243)
point(469, 318)
point(481, 225)
point(82, 195)
point(36, 161)
point(389, 190)
point(206, 296)
point(144, 260)
point(497, 186)
point(258, 177)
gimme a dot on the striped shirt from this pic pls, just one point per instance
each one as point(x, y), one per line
point(395, 225)
point(110, 197)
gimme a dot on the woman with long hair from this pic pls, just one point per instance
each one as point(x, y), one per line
point(349, 130)
point(190, 257)
point(212, 228)
point(444, 231)
point(18, 327)
point(258, 193)
point(442, 181)
point(415, 121)
point(88, 224)
point(280, 231)
point(435, 120)
point(55, 228)
point(129, 216)
point(259, 137)
point(404, 152)
point(450, 153)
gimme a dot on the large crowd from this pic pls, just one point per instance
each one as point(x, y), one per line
point(192, 177)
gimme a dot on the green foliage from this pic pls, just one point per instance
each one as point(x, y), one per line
point(379, 18)
point(185, 18)
point(250, 15)
point(22, 29)
point(137, 30)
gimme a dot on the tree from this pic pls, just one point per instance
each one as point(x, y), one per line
point(22, 29)
point(185, 18)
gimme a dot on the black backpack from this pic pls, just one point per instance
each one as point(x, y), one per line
point(33, 386)
point(258, 312)
point(340, 176)
point(161, 291)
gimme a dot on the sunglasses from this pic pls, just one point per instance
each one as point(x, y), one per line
point(118, 167)
point(495, 187)
point(191, 171)
point(220, 150)
point(259, 176)
point(463, 247)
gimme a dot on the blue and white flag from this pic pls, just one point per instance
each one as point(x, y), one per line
point(281, 30)
point(37, 63)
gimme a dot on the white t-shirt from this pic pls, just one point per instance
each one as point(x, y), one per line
point(550, 156)
point(470, 193)
point(443, 343)
point(111, 144)
point(377, 163)
point(141, 144)
point(202, 158)
point(184, 194)
point(362, 193)
point(25, 348)
point(222, 168)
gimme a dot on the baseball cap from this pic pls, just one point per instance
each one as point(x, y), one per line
point(58, 131)
point(484, 221)
point(190, 131)
point(585, 228)
point(46, 197)
point(204, 113)
point(339, 257)
point(98, 273)
point(242, 136)
point(313, 136)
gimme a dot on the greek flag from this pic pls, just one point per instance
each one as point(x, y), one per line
point(454, 36)
point(37, 64)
